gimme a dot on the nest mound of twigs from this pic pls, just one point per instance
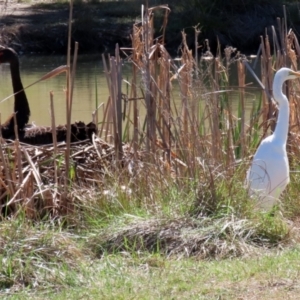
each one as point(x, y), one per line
point(188, 237)
point(34, 177)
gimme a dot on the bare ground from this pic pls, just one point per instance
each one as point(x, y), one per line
point(42, 27)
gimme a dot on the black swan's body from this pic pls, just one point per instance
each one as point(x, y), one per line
point(42, 135)
point(34, 135)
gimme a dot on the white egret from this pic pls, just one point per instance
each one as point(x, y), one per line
point(268, 174)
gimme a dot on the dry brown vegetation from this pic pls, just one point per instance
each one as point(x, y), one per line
point(201, 137)
point(147, 141)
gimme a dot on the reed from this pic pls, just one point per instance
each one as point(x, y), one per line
point(68, 109)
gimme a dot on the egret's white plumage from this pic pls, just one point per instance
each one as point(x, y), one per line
point(268, 174)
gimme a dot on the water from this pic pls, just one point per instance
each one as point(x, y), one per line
point(89, 72)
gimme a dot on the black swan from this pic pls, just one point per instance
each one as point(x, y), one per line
point(34, 135)
point(21, 106)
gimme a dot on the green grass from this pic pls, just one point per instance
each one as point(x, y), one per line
point(152, 277)
point(126, 276)
point(157, 247)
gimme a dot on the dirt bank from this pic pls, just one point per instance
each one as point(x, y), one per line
point(42, 26)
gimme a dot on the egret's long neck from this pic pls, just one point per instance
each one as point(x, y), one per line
point(282, 126)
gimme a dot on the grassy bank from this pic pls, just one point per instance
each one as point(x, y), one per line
point(44, 261)
point(115, 245)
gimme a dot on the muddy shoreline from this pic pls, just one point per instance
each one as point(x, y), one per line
point(42, 29)
point(39, 27)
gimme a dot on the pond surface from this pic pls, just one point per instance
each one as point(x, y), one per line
point(89, 72)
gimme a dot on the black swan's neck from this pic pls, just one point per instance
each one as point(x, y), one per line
point(21, 106)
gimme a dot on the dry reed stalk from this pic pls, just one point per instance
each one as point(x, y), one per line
point(49, 75)
point(64, 203)
point(164, 110)
point(285, 47)
point(70, 88)
point(285, 20)
point(147, 40)
point(296, 44)
point(228, 113)
point(18, 152)
point(185, 84)
point(267, 78)
point(106, 121)
point(18, 164)
point(4, 193)
point(69, 34)
point(111, 109)
point(54, 141)
point(214, 117)
point(68, 141)
point(270, 75)
point(292, 89)
point(114, 80)
point(290, 92)
point(108, 114)
point(135, 57)
point(29, 206)
point(291, 42)
point(276, 47)
point(197, 32)
point(118, 106)
point(95, 116)
point(35, 171)
point(75, 56)
point(114, 95)
point(282, 29)
point(19, 191)
point(241, 81)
